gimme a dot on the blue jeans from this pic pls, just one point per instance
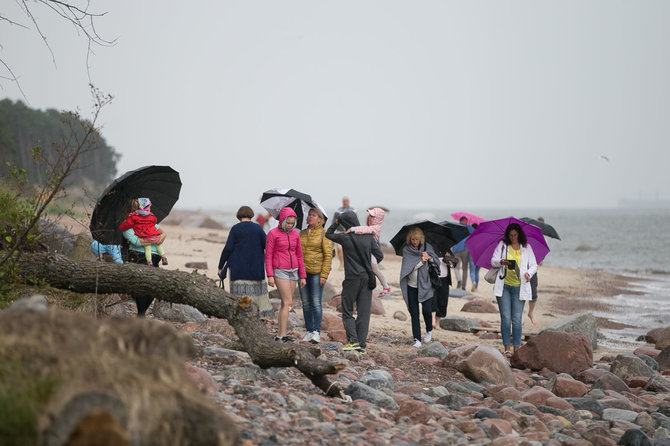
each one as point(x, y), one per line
point(511, 309)
point(474, 272)
point(311, 303)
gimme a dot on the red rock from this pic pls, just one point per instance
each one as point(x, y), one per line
point(568, 388)
point(503, 425)
point(589, 376)
point(558, 351)
point(637, 381)
point(508, 393)
point(437, 362)
point(653, 335)
point(377, 307)
point(537, 396)
point(558, 403)
point(190, 327)
point(649, 351)
point(338, 336)
point(480, 363)
point(479, 306)
point(202, 379)
point(417, 411)
point(331, 321)
point(336, 302)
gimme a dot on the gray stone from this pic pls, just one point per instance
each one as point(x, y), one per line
point(294, 402)
point(249, 372)
point(584, 323)
point(438, 391)
point(455, 401)
point(661, 420)
point(525, 408)
point(454, 323)
point(471, 386)
point(634, 437)
point(586, 404)
point(424, 398)
point(457, 387)
point(378, 379)
point(627, 365)
point(651, 362)
point(619, 415)
point(196, 265)
point(176, 312)
point(486, 413)
point(358, 390)
point(36, 303)
point(658, 384)
point(331, 346)
point(434, 350)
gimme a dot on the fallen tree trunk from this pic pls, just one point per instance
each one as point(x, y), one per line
point(191, 289)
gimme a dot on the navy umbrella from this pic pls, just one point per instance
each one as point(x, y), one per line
point(161, 184)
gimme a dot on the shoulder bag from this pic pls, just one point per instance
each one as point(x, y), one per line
point(372, 280)
point(491, 275)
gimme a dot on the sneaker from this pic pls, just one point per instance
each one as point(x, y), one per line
point(279, 338)
point(164, 260)
point(316, 337)
point(308, 336)
point(384, 292)
point(350, 346)
point(428, 337)
point(362, 351)
point(474, 288)
point(417, 343)
point(287, 338)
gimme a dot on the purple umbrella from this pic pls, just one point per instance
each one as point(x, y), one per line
point(484, 240)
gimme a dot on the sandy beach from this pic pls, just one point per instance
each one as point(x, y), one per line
point(562, 291)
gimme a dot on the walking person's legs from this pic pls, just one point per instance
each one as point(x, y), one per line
point(505, 308)
point(533, 301)
point(286, 287)
point(349, 295)
point(413, 308)
point(426, 310)
point(517, 312)
point(363, 306)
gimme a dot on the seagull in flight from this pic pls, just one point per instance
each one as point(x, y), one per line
point(605, 158)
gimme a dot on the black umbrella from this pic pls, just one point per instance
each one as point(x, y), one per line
point(161, 184)
point(441, 236)
point(547, 230)
point(274, 200)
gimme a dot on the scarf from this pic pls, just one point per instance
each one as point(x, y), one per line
point(410, 257)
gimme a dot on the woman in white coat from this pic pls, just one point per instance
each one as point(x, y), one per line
point(512, 286)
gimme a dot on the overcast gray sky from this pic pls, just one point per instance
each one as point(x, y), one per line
point(430, 104)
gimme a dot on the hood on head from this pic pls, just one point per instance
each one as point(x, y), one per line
point(286, 212)
point(376, 216)
point(348, 219)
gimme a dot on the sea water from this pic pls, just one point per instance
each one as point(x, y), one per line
point(631, 242)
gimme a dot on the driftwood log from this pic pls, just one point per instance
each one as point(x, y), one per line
point(192, 289)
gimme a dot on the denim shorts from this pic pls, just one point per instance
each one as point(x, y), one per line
point(290, 274)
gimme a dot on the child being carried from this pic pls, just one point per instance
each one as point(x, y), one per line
point(143, 222)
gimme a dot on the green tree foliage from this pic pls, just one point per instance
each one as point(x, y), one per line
point(22, 129)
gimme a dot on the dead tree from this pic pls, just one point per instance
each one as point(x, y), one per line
point(191, 289)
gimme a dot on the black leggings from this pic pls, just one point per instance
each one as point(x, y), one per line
point(413, 307)
point(143, 303)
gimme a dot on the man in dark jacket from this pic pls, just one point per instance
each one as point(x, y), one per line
point(357, 250)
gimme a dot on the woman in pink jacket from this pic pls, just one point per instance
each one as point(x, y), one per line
point(284, 265)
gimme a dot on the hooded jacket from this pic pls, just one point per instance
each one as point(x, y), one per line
point(374, 227)
point(282, 249)
point(352, 245)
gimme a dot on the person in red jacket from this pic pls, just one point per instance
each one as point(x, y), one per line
point(143, 222)
point(284, 265)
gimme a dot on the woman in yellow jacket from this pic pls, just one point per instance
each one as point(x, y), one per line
point(317, 253)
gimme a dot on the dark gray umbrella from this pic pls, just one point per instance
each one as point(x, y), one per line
point(547, 230)
point(441, 236)
point(161, 184)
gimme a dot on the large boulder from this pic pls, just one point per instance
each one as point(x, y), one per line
point(377, 307)
point(357, 390)
point(560, 352)
point(609, 381)
point(653, 335)
point(169, 311)
point(480, 363)
point(331, 321)
point(663, 339)
point(584, 323)
point(627, 365)
point(663, 358)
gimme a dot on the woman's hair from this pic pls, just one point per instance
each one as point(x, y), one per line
point(517, 228)
point(415, 231)
point(319, 213)
point(131, 206)
point(245, 212)
point(282, 225)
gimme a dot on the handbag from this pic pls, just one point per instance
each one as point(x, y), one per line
point(492, 274)
point(434, 274)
